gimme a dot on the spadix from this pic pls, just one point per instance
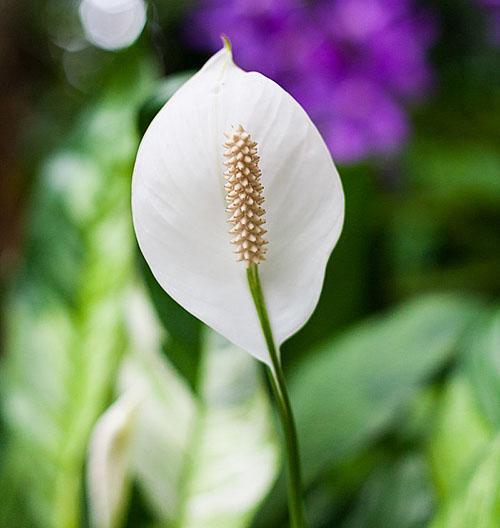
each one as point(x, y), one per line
point(244, 195)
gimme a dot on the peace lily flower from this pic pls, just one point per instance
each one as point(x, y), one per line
point(186, 211)
point(237, 206)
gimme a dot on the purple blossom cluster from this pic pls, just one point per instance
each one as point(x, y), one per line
point(492, 10)
point(352, 64)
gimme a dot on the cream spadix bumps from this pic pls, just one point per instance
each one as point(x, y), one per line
point(187, 193)
point(244, 197)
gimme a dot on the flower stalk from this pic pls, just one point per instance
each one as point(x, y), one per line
point(294, 481)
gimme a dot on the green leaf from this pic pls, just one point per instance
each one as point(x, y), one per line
point(354, 387)
point(482, 367)
point(459, 434)
point(55, 381)
point(364, 377)
point(477, 501)
point(65, 324)
point(397, 494)
point(13, 509)
point(201, 461)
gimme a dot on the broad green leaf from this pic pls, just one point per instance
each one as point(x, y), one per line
point(56, 379)
point(482, 367)
point(201, 461)
point(13, 509)
point(397, 494)
point(476, 502)
point(64, 327)
point(354, 387)
point(364, 377)
point(459, 434)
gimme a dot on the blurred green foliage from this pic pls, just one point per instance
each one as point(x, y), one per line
point(192, 456)
point(64, 314)
point(395, 380)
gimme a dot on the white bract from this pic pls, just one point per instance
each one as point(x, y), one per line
point(180, 195)
point(108, 462)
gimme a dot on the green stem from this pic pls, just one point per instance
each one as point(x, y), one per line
point(295, 500)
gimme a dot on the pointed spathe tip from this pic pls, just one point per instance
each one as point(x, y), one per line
point(227, 43)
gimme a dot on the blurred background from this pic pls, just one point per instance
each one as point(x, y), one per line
point(117, 408)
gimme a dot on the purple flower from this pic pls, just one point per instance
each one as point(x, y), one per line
point(492, 9)
point(353, 64)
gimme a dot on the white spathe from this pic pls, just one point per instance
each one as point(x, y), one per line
point(179, 213)
point(108, 462)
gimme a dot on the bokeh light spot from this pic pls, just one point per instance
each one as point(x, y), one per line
point(113, 24)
